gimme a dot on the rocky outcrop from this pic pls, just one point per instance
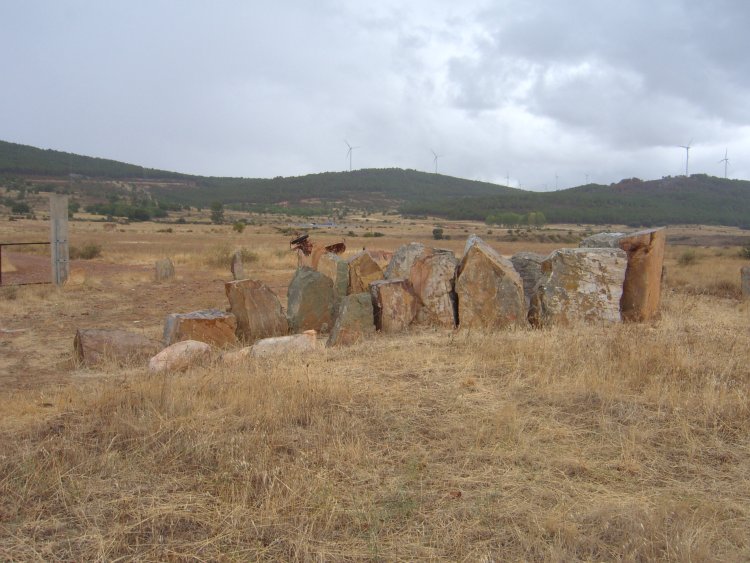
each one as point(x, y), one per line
point(602, 240)
point(529, 267)
point(354, 322)
point(282, 345)
point(489, 290)
point(362, 271)
point(579, 284)
point(180, 356)
point(394, 304)
point(94, 346)
point(257, 309)
point(403, 259)
point(211, 326)
point(310, 301)
point(336, 268)
point(433, 278)
point(641, 291)
point(163, 270)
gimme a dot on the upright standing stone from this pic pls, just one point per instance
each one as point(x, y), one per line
point(403, 259)
point(394, 303)
point(641, 292)
point(355, 320)
point(433, 278)
point(163, 270)
point(489, 290)
point(59, 251)
point(257, 309)
point(745, 281)
point(336, 268)
point(579, 284)
point(310, 301)
point(237, 268)
point(529, 267)
point(93, 346)
point(362, 270)
point(210, 325)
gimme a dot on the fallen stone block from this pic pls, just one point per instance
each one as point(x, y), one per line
point(163, 270)
point(579, 284)
point(282, 345)
point(310, 301)
point(211, 326)
point(362, 271)
point(394, 304)
point(180, 356)
point(489, 290)
point(355, 320)
point(433, 278)
point(94, 346)
point(257, 310)
point(529, 267)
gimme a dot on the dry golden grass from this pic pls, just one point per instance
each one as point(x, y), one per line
point(626, 442)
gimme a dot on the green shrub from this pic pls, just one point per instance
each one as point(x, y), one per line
point(376, 234)
point(238, 226)
point(687, 258)
point(437, 233)
point(88, 251)
point(745, 252)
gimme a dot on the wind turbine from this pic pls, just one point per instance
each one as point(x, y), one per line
point(687, 155)
point(435, 160)
point(725, 160)
point(349, 153)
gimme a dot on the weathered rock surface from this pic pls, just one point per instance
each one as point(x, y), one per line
point(433, 278)
point(337, 269)
point(489, 290)
point(641, 291)
point(362, 271)
point(745, 282)
point(403, 259)
point(394, 303)
point(210, 325)
point(529, 267)
point(237, 267)
point(310, 301)
point(93, 346)
point(257, 309)
point(602, 240)
point(237, 357)
point(163, 270)
point(579, 284)
point(355, 321)
point(180, 356)
point(281, 345)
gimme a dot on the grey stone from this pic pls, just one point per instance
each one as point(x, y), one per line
point(529, 267)
point(402, 260)
point(356, 320)
point(310, 301)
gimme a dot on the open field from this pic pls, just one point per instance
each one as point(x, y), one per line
point(592, 443)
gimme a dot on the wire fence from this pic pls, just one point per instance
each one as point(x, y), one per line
point(25, 263)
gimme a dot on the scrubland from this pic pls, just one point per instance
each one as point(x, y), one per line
point(625, 442)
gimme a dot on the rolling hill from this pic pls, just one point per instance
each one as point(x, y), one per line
point(697, 199)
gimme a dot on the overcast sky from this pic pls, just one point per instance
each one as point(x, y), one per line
point(539, 91)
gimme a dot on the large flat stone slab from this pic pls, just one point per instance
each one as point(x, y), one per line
point(210, 325)
point(95, 346)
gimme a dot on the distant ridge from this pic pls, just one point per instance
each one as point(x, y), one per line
point(698, 199)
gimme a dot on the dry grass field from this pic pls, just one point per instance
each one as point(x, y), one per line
point(628, 442)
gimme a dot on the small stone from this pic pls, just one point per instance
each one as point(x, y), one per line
point(257, 309)
point(163, 270)
point(282, 345)
point(579, 284)
point(236, 267)
point(362, 271)
point(489, 290)
point(211, 326)
point(310, 301)
point(394, 303)
point(180, 356)
point(354, 322)
point(433, 278)
point(93, 346)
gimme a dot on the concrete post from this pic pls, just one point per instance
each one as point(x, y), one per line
point(58, 219)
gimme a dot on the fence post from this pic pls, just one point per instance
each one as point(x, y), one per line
point(58, 219)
